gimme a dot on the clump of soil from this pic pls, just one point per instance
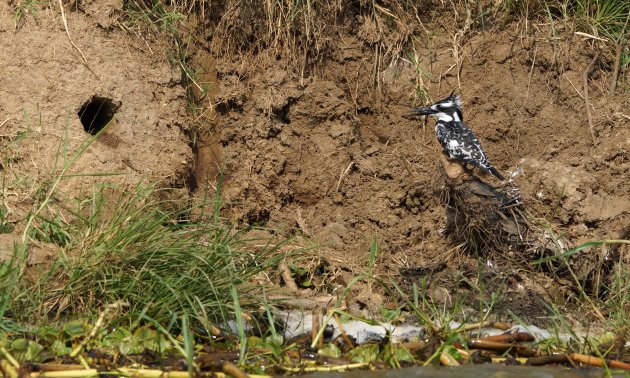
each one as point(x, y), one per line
point(324, 149)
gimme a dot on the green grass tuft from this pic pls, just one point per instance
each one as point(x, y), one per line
point(606, 18)
point(150, 254)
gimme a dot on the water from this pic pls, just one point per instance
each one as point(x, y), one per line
point(479, 371)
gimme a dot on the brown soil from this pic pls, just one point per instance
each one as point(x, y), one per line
point(45, 82)
point(328, 153)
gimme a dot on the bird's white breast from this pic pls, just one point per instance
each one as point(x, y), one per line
point(453, 144)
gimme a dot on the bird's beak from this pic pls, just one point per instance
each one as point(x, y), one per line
point(422, 110)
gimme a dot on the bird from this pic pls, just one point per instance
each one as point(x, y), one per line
point(456, 138)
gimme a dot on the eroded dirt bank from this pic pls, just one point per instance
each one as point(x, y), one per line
point(328, 152)
point(336, 159)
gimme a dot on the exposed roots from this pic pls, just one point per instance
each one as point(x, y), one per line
point(300, 32)
point(493, 220)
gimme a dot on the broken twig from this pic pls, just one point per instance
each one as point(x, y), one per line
point(343, 174)
point(621, 44)
point(285, 272)
point(65, 25)
point(613, 83)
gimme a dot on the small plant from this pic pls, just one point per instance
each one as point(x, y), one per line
point(606, 18)
point(5, 226)
point(156, 16)
point(24, 8)
point(523, 9)
point(421, 93)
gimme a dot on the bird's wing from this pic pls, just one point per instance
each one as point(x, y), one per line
point(461, 144)
point(470, 148)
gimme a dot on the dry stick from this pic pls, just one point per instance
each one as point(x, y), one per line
point(9, 357)
point(412, 345)
point(316, 323)
point(621, 42)
point(591, 36)
point(233, 370)
point(58, 367)
point(556, 358)
point(223, 375)
point(5, 121)
point(319, 314)
point(69, 374)
point(613, 84)
point(65, 25)
point(303, 303)
point(600, 362)
point(301, 223)
point(130, 372)
point(503, 360)
point(343, 174)
point(464, 353)
point(343, 332)
point(7, 369)
point(329, 368)
point(531, 72)
point(585, 83)
point(97, 326)
point(447, 359)
point(286, 276)
point(487, 324)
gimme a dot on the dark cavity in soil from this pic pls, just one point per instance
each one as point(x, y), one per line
point(96, 113)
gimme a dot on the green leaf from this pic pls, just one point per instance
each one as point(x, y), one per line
point(364, 353)
point(454, 352)
point(121, 339)
point(145, 337)
point(390, 315)
point(59, 348)
point(330, 350)
point(395, 355)
point(274, 344)
point(26, 350)
point(403, 355)
point(255, 342)
point(75, 328)
point(577, 249)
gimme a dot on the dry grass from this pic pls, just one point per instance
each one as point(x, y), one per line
point(302, 32)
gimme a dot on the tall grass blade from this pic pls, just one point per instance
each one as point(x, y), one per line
point(240, 325)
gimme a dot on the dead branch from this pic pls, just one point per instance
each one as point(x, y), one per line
point(621, 43)
point(454, 171)
point(65, 25)
point(613, 84)
point(286, 276)
point(301, 223)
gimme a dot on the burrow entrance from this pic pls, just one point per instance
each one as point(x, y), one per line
point(96, 113)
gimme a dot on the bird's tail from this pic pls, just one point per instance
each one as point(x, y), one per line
point(496, 173)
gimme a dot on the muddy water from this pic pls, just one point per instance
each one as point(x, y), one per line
point(473, 371)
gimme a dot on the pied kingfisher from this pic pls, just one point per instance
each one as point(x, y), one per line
point(458, 140)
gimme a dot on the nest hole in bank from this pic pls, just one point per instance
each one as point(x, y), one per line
point(96, 113)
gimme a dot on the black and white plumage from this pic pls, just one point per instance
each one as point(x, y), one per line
point(458, 140)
